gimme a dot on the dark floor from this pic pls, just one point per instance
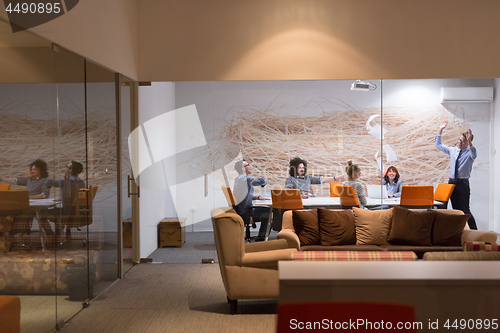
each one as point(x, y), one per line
point(198, 246)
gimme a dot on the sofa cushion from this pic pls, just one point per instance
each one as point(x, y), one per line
point(336, 227)
point(411, 228)
point(305, 224)
point(462, 256)
point(419, 250)
point(341, 248)
point(481, 246)
point(447, 229)
point(353, 256)
point(372, 226)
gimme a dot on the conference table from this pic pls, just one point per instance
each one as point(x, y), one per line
point(334, 202)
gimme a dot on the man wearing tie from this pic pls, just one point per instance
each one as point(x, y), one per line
point(461, 159)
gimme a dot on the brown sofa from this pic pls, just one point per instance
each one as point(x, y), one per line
point(397, 229)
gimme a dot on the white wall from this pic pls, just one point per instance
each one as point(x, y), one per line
point(155, 204)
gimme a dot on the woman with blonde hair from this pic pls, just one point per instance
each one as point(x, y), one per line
point(353, 172)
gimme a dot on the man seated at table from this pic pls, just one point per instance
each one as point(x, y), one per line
point(71, 172)
point(243, 192)
point(299, 178)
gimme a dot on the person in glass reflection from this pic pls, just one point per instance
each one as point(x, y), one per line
point(243, 192)
point(35, 183)
point(392, 182)
point(71, 172)
point(36, 186)
point(301, 180)
point(461, 159)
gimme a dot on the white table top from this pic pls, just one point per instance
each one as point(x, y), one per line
point(335, 202)
point(43, 203)
point(385, 270)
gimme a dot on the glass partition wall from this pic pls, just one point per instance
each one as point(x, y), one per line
point(376, 124)
point(267, 123)
point(59, 108)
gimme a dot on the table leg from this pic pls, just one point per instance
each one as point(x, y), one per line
point(269, 220)
point(40, 229)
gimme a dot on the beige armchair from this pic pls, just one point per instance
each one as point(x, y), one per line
point(249, 271)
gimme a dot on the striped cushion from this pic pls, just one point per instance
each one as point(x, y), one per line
point(481, 246)
point(354, 256)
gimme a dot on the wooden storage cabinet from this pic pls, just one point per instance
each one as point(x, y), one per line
point(172, 232)
point(127, 233)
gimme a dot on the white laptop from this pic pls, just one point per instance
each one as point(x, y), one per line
point(375, 193)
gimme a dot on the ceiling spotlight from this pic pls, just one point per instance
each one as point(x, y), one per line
point(363, 85)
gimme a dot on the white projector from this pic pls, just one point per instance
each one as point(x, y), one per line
point(363, 86)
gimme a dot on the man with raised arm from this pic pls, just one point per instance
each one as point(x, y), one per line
point(243, 192)
point(461, 159)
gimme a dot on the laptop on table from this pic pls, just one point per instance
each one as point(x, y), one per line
point(374, 191)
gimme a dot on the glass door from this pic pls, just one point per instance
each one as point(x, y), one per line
point(129, 189)
point(103, 177)
point(69, 239)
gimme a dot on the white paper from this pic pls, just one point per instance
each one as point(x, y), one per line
point(389, 153)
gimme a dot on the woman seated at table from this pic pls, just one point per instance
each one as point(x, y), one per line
point(392, 182)
point(36, 186)
point(353, 172)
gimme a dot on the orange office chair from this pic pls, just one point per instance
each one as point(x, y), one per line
point(443, 193)
point(348, 197)
point(345, 312)
point(283, 200)
point(4, 187)
point(231, 202)
point(417, 196)
point(248, 220)
point(83, 203)
point(333, 189)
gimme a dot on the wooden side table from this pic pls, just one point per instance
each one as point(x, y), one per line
point(172, 231)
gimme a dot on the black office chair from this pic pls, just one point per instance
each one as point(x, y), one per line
point(246, 216)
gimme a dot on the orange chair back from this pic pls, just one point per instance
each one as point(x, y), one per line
point(286, 198)
point(333, 189)
point(231, 200)
point(4, 187)
point(347, 195)
point(417, 195)
point(443, 192)
point(14, 200)
point(345, 312)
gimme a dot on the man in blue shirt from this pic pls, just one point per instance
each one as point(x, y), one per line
point(243, 192)
point(461, 159)
point(67, 196)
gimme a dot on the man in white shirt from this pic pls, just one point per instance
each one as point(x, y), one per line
point(461, 159)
